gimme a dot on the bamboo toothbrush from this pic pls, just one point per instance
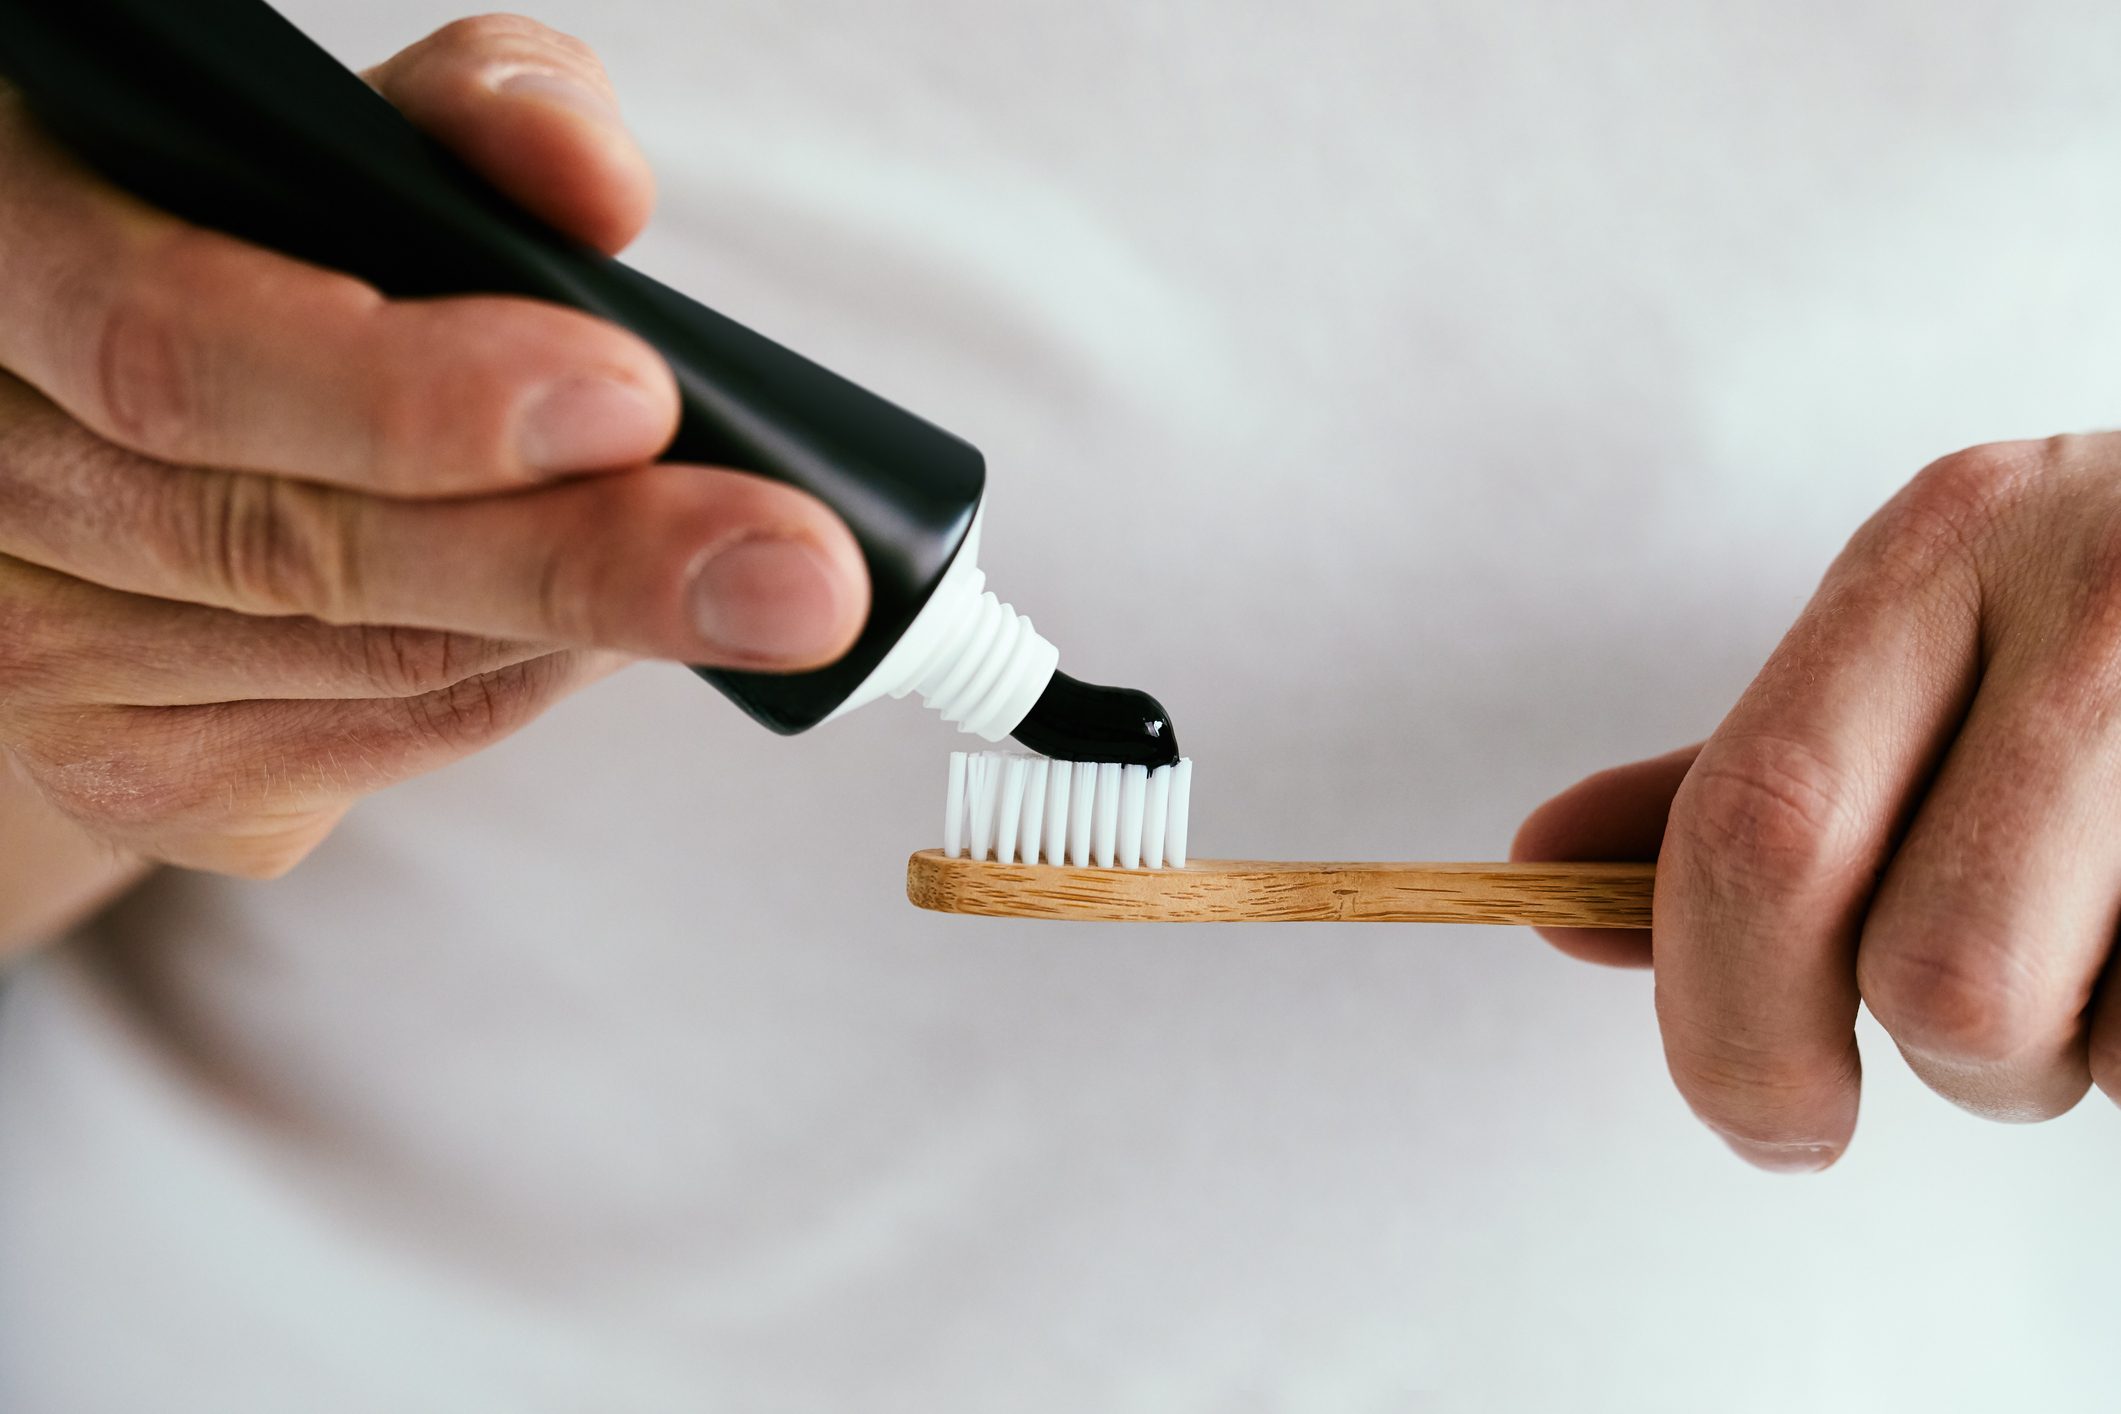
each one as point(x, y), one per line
point(1114, 843)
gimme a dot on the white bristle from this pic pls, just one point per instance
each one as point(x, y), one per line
point(1011, 808)
point(1034, 810)
point(1104, 825)
point(982, 783)
point(1081, 807)
point(1155, 813)
point(1181, 804)
point(1055, 842)
point(1133, 787)
point(954, 808)
point(1008, 821)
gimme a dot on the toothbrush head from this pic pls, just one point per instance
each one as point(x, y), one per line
point(1012, 807)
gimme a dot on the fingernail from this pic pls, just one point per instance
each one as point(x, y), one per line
point(1800, 1157)
point(590, 424)
point(545, 86)
point(770, 597)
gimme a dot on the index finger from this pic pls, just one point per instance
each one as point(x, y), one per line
point(190, 346)
point(533, 110)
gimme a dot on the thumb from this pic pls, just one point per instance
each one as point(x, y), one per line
point(1618, 814)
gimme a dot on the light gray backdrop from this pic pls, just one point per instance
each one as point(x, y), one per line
point(1507, 371)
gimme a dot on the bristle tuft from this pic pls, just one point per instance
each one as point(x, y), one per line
point(1156, 813)
point(1053, 842)
point(1010, 807)
point(954, 807)
point(1175, 828)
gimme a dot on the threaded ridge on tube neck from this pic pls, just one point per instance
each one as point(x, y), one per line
point(987, 678)
point(970, 656)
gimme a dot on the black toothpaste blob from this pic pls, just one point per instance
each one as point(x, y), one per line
point(1081, 721)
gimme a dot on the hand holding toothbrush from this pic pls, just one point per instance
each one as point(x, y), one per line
point(1916, 806)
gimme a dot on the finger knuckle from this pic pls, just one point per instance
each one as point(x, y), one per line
point(267, 545)
point(114, 771)
point(440, 418)
point(411, 424)
point(147, 371)
point(1768, 812)
point(567, 594)
point(1952, 999)
point(408, 662)
point(2074, 693)
point(1942, 516)
point(1976, 480)
point(579, 584)
point(480, 710)
point(2097, 570)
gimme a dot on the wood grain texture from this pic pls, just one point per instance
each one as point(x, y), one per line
point(1268, 891)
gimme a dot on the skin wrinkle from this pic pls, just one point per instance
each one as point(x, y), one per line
point(1827, 808)
point(1790, 1096)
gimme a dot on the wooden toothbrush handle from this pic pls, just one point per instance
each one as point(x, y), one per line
point(1273, 891)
